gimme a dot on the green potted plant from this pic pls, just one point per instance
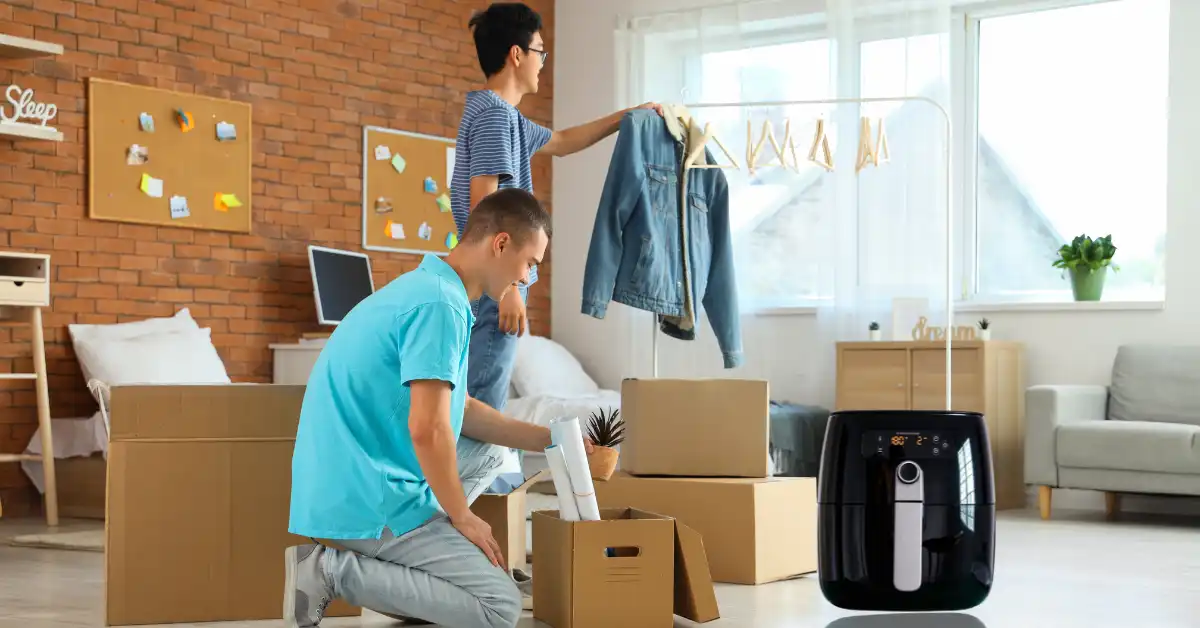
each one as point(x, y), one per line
point(873, 328)
point(1087, 262)
point(607, 431)
point(985, 329)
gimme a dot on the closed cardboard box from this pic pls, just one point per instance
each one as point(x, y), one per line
point(199, 487)
point(755, 530)
point(696, 427)
point(630, 569)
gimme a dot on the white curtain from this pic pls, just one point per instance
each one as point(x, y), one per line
point(846, 242)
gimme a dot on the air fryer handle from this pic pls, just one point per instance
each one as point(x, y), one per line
point(908, 526)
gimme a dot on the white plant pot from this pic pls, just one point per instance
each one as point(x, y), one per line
point(875, 334)
point(985, 334)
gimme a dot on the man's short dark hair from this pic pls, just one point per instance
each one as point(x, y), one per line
point(510, 210)
point(499, 28)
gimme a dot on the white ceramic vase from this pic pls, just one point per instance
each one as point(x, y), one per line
point(985, 334)
point(876, 334)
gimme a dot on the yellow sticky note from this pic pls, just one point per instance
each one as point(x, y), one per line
point(230, 200)
point(151, 186)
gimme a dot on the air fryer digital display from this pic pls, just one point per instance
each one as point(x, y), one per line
point(907, 444)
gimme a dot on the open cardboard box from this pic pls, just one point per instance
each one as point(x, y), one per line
point(199, 489)
point(506, 514)
point(632, 568)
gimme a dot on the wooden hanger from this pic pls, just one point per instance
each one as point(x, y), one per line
point(698, 150)
point(882, 153)
point(821, 143)
point(866, 148)
point(768, 135)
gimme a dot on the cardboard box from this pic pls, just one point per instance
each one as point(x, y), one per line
point(658, 570)
point(199, 488)
point(506, 515)
point(81, 486)
point(696, 427)
point(755, 530)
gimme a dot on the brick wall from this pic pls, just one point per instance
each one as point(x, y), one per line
point(316, 72)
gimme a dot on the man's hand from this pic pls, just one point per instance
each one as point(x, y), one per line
point(652, 105)
point(479, 532)
point(588, 445)
point(512, 313)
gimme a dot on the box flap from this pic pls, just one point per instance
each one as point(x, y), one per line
point(217, 411)
point(540, 476)
point(695, 597)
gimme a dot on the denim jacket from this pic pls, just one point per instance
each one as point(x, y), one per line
point(649, 253)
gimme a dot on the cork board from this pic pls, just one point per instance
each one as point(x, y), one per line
point(193, 165)
point(399, 213)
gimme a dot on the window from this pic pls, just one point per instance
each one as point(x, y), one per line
point(1061, 131)
point(1072, 133)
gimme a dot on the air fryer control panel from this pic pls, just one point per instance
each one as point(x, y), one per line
point(908, 444)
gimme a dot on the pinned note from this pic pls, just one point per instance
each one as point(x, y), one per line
point(226, 132)
point(179, 207)
point(383, 152)
point(451, 240)
point(425, 232)
point(383, 205)
point(151, 186)
point(137, 155)
point(146, 122)
point(397, 162)
point(224, 202)
point(186, 120)
point(394, 230)
point(443, 203)
point(430, 185)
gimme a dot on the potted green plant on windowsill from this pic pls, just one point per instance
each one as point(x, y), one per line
point(1087, 262)
point(874, 332)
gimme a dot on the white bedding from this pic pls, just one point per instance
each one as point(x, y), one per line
point(72, 438)
point(542, 409)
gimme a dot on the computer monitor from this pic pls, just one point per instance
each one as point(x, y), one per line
point(340, 280)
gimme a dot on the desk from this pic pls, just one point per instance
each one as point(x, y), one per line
point(293, 362)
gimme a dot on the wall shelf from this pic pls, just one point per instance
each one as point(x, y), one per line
point(20, 48)
point(30, 131)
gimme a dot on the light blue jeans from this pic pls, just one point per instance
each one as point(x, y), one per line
point(433, 572)
point(492, 353)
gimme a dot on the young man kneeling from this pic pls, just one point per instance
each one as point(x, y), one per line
point(391, 450)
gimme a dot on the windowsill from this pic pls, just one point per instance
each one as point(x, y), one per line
point(995, 306)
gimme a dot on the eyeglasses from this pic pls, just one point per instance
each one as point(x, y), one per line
point(542, 53)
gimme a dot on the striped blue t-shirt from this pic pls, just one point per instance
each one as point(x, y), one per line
point(493, 139)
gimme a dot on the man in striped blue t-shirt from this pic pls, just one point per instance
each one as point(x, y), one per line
point(493, 150)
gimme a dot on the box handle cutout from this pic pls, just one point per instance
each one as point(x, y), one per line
point(622, 552)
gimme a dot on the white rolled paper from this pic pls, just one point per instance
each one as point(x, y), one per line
point(567, 511)
point(566, 434)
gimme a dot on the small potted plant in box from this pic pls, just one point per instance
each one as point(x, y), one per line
point(1087, 262)
point(873, 328)
point(607, 431)
point(985, 329)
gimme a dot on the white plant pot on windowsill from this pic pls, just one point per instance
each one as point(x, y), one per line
point(875, 334)
point(985, 334)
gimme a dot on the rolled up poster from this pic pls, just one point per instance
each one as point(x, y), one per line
point(566, 434)
point(567, 511)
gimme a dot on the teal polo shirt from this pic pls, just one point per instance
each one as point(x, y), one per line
point(354, 470)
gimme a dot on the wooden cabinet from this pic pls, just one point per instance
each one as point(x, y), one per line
point(988, 377)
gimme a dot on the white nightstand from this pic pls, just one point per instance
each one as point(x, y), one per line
point(293, 362)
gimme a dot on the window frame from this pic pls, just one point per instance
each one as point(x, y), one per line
point(964, 28)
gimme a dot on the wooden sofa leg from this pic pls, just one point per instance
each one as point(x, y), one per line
point(1112, 504)
point(1044, 493)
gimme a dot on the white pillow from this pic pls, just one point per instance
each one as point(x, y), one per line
point(544, 367)
point(175, 357)
point(83, 335)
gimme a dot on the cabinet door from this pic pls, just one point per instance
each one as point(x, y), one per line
point(872, 379)
point(929, 379)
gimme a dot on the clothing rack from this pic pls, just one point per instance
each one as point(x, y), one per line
point(945, 115)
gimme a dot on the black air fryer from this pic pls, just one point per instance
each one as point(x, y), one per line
point(906, 511)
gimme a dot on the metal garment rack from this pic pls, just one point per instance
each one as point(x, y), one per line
point(945, 115)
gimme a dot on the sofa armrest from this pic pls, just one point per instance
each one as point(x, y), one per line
point(1047, 407)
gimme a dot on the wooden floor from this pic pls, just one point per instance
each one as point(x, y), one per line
point(1076, 571)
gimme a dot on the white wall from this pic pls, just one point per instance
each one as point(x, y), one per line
point(1062, 346)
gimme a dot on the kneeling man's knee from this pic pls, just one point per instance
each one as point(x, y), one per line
point(502, 603)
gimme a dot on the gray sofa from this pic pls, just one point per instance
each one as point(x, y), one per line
point(1140, 434)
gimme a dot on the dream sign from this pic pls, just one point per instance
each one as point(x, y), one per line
point(25, 107)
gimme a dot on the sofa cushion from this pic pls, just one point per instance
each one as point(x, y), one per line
point(1156, 383)
point(1130, 446)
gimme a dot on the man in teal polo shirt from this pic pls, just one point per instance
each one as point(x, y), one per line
point(380, 474)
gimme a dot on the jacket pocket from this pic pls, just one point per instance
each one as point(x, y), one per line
point(663, 190)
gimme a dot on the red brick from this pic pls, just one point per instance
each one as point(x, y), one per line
point(316, 73)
